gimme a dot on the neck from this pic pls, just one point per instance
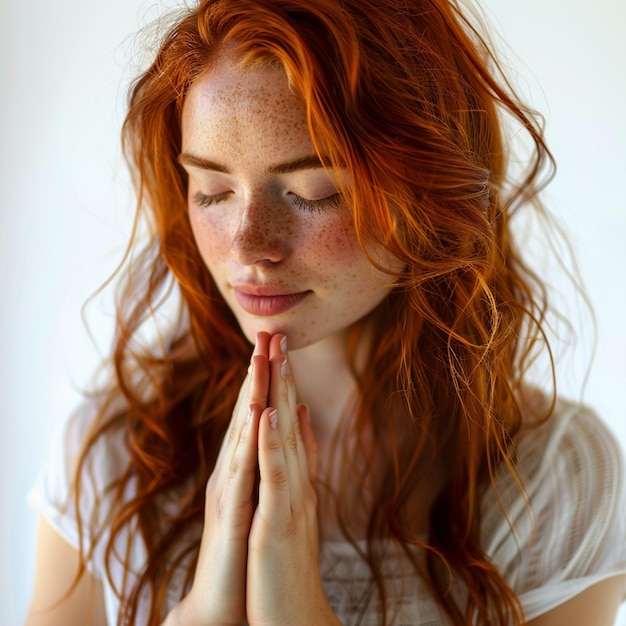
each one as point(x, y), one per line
point(324, 382)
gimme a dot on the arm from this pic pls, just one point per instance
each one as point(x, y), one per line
point(56, 567)
point(596, 605)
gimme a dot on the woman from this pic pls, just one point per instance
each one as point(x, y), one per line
point(337, 426)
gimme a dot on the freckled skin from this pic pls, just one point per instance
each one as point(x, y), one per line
point(249, 121)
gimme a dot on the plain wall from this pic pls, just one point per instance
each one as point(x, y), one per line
point(66, 207)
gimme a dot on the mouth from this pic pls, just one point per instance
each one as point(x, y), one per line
point(267, 301)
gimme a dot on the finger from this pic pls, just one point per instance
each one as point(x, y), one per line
point(256, 386)
point(278, 349)
point(277, 345)
point(254, 390)
point(243, 397)
point(280, 398)
point(232, 431)
point(230, 503)
point(274, 490)
point(259, 370)
point(241, 471)
point(243, 391)
point(289, 428)
point(308, 439)
point(262, 345)
point(260, 381)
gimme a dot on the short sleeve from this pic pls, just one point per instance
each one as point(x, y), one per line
point(54, 495)
point(570, 533)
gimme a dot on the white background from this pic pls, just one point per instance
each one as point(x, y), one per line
point(65, 207)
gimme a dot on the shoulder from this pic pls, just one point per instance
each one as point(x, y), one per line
point(572, 467)
point(563, 462)
point(74, 485)
point(566, 529)
point(84, 444)
point(573, 451)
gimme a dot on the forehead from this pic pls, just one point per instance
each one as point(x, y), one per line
point(239, 109)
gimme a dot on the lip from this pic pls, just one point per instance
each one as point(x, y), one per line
point(266, 301)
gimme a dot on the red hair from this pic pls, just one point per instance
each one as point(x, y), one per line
point(408, 98)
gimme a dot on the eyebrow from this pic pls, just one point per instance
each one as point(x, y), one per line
point(305, 163)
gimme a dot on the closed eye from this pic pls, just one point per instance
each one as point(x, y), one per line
point(333, 201)
point(205, 201)
point(322, 204)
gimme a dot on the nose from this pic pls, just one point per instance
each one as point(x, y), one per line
point(262, 234)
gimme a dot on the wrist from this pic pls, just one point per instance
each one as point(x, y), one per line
point(188, 613)
point(179, 617)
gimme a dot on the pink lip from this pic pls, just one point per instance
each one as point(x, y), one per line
point(267, 301)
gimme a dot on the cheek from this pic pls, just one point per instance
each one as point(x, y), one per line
point(211, 237)
point(351, 269)
point(338, 248)
point(332, 242)
point(328, 253)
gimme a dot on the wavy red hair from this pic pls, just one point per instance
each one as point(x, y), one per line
point(406, 96)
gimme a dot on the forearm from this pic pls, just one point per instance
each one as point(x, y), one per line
point(183, 615)
point(179, 616)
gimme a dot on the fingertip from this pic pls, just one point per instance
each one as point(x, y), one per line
point(279, 366)
point(269, 417)
point(252, 416)
point(304, 421)
point(278, 345)
point(262, 343)
point(304, 412)
point(308, 437)
point(272, 418)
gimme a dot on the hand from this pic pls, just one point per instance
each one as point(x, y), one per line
point(218, 593)
point(283, 580)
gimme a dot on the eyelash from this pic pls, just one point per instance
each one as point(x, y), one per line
point(300, 203)
point(323, 204)
point(204, 201)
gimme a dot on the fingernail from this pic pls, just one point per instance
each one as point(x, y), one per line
point(308, 413)
point(283, 345)
point(283, 369)
point(273, 417)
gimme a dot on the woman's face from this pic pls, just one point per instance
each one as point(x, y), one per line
point(266, 216)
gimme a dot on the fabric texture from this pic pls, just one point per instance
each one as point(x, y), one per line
point(572, 535)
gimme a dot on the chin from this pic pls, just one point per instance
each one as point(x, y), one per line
point(250, 328)
point(296, 339)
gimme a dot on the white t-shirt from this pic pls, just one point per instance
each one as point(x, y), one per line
point(573, 473)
